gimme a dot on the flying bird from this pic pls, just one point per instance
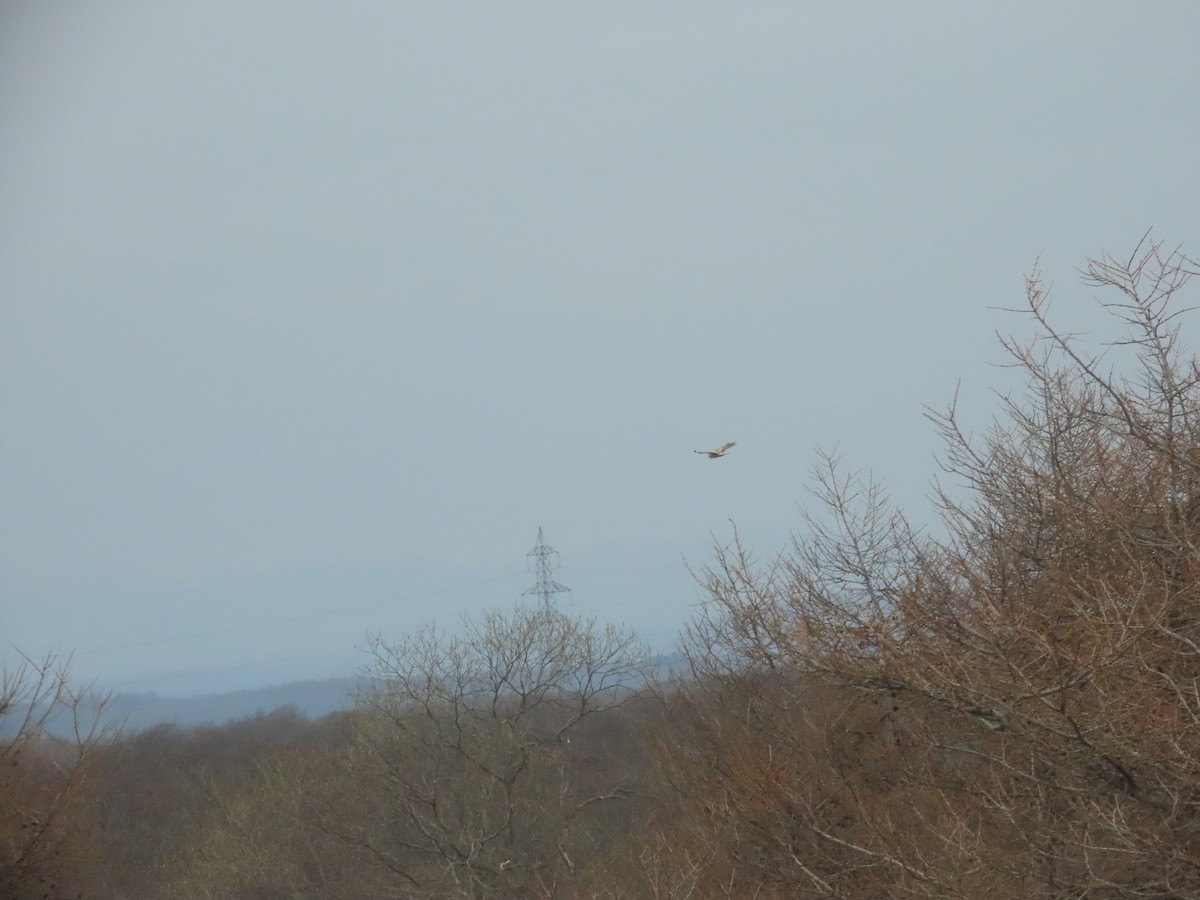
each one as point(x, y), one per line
point(719, 452)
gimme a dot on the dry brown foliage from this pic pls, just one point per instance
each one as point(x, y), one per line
point(50, 739)
point(1010, 708)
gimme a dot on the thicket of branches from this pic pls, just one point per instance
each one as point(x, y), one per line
point(1004, 705)
point(50, 742)
point(1019, 709)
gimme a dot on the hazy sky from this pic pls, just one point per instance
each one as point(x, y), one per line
point(312, 313)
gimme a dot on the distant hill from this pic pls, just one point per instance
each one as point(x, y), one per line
point(135, 711)
point(313, 699)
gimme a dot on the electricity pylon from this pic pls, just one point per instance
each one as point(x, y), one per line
point(546, 586)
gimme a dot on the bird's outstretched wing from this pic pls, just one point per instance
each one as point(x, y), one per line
point(719, 452)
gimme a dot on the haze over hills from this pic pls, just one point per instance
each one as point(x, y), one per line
point(136, 711)
point(241, 632)
point(131, 712)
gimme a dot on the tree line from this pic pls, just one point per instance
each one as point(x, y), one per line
point(1005, 704)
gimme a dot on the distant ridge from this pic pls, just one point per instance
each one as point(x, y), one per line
point(313, 699)
point(131, 712)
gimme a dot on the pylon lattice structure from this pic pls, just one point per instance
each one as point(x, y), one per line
point(543, 555)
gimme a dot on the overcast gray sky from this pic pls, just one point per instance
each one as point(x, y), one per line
point(312, 313)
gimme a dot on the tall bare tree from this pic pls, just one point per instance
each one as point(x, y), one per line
point(483, 754)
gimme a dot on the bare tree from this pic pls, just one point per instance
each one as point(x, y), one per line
point(50, 734)
point(475, 749)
